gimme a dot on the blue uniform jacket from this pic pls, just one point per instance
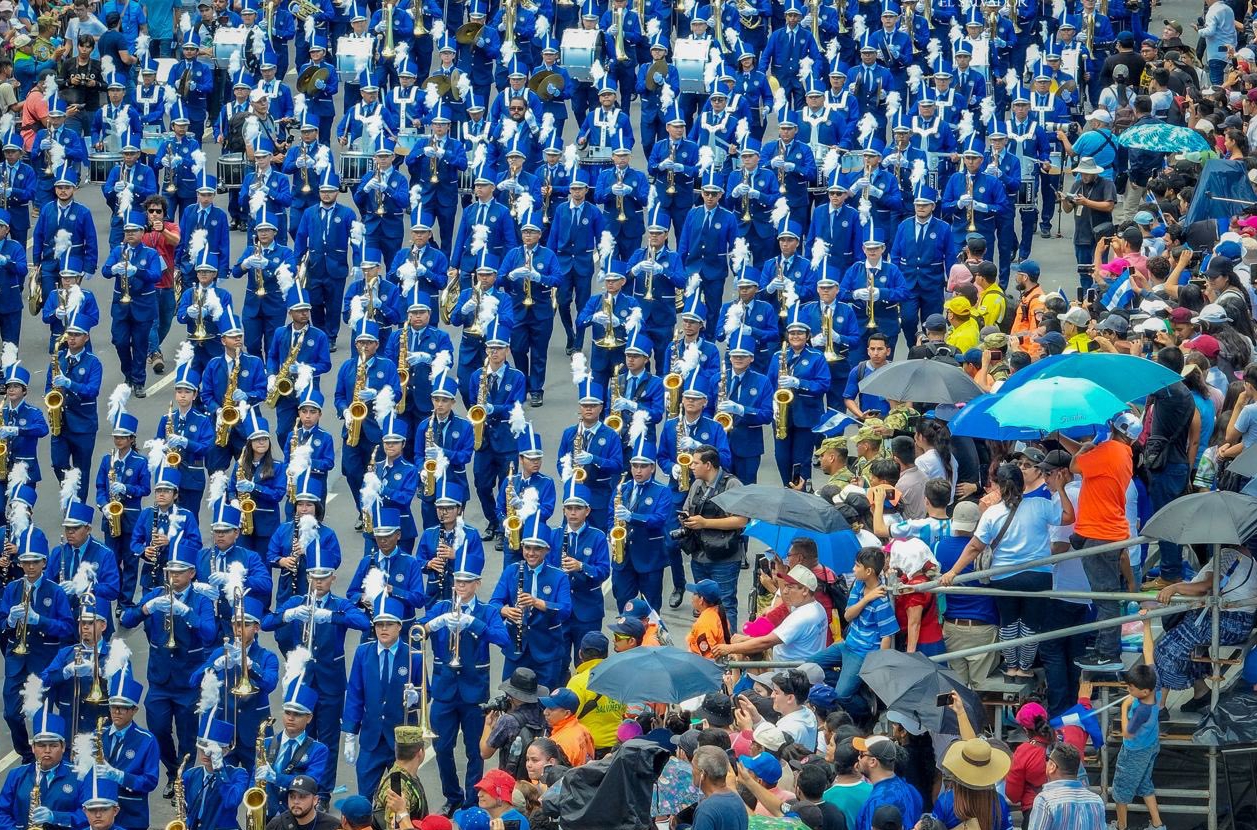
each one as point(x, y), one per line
point(131, 470)
point(810, 368)
point(543, 638)
point(326, 670)
point(589, 547)
point(608, 452)
point(650, 510)
point(134, 751)
point(169, 670)
point(75, 218)
point(213, 798)
point(61, 791)
point(469, 683)
point(372, 708)
point(574, 241)
point(755, 392)
point(251, 380)
point(923, 264)
point(380, 373)
point(468, 556)
point(403, 576)
point(31, 426)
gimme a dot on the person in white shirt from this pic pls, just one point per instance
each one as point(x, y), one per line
point(1219, 35)
point(789, 690)
point(801, 634)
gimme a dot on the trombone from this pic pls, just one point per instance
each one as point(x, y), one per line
point(417, 635)
point(244, 686)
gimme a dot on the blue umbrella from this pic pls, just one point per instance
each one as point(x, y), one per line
point(975, 421)
point(1126, 377)
point(655, 674)
point(1053, 403)
point(837, 550)
point(1164, 138)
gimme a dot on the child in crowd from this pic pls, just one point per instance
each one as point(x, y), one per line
point(1141, 741)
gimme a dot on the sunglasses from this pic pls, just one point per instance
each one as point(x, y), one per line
point(155, 210)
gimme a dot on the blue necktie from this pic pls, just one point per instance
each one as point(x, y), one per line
point(734, 385)
point(386, 667)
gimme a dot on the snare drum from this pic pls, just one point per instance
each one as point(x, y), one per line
point(1027, 193)
point(596, 154)
point(351, 53)
point(153, 138)
point(99, 165)
point(690, 59)
point(407, 138)
point(354, 167)
point(228, 42)
point(165, 67)
point(852, 161)
point(231, 168)
point(579, 49)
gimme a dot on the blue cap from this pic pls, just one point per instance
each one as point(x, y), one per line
point(385, 520)
point(48, 727)
point(78, 514)
point(223, 516)
point(763, 766)
point(215, 731)
point(576, 494)
point(387, 609)
point(528, 442)
point(125, 690)
point(299, 697)
point(560, 698)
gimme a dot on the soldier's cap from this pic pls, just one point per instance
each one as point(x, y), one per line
point(407, 735)
point(999, 340)
point(868, 432)
point(838, 442)
point(304, 784)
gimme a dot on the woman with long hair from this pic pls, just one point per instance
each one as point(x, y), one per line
point(934, 456)
point(257, 476)
point(973, 770)
point(1017, 530)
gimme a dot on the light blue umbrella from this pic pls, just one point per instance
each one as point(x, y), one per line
point(1163, 138)
point(975, 421)
point(1053, 403)
point(836, 550)
point(1125, 376)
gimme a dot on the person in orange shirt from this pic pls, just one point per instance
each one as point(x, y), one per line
point(640, 609)
point(566, 730)
point(712, 626)
point(627, 633)
point(1030, 307)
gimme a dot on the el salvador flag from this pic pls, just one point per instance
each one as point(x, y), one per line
point(1084, 718)
point(1120, 293)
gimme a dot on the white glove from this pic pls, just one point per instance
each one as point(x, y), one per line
point(860, 183)
point(688, 443)
point(216, 758)
point(300, 613)
point(788, 166)
point(264, 772)
point(468, 307)
point(117, 488)
point(205, 589)
point(530, 119)
point(740, 191)
point(255, 261)
point(668, 164)
point(875, 192)
point(167, 161)
point(366, 395)
point(992, 169)
point(240, 396)
point(46, 144)
point(981, 207)
point(874, 294)
point(379, 27)
point(818, 340)
point(193, 311)
point(119, 186)
point(518, 274)
point(181, 609)
point(624, 403)
point(622, 514)
point(8, 432)
point(157, 604)
point(76, 669)
point(431, 453)
point(410, 698)
point(860, 294)
point(583, 458)
point(777, 162)
point(218, 578)
point(731, 408)
point(322, 614)
point(109, 773)
point(350, 752)
point(612, 29)
point(245, 486)
point(621, 189)
point(429, 151)
point(676, 472)
point(788, 382)
point(601, 318)
point(233, 654)
point(753, 193)
point(777, 283)
point(964, 201)
point(806, 22)
point(41, 815)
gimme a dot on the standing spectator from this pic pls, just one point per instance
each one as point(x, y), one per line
point(713, 537)
point(80, 80)
point(1097, 140)
point(1141, 165)
point(163, 236)
point(132, 19)
point(1172, 425)
point(116, 45)
point(83, 22)
point(1065, 802)
point(1141, 742)
point(34, 112)
point(911, 484)
point(509, 733)
point(161, 27)
point(968, 621)
point(878, 758)
point(1097, 196)
point(1106, 470)
point(721, 807)
point(1219, 36)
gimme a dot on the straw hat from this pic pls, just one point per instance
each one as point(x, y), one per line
point(976, 764)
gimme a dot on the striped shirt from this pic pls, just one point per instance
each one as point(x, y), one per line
point(1066, 805)
point(876, 620)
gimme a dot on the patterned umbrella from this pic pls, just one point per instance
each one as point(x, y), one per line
point(1164, 138)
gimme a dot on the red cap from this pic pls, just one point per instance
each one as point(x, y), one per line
point(1206, 344)
point(1182, 315)
point(1115, 266)
point(435, 822)
point(497, 783)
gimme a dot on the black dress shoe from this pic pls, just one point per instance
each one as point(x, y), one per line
point(358, 527)
point(450, 808)
point(137, 390)
point(490, 534)
point(332, 348)
point(498, 544)
point(169, 792)
point(536, 400)
point(570, 350)
point(674, 601)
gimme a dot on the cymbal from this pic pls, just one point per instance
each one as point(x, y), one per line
point(660, 66)
point(312, 73)
point(538, 83)
point(468, 32)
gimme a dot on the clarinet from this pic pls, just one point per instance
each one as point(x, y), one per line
point(523, 612)
point(447, 573)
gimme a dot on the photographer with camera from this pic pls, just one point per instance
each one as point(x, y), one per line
point(710, 536)
point(1093, 197)
point(512, 720)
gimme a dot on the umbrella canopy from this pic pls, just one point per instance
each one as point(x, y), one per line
point(1217, 518)
point(782, 506)
point(926, 380)
point(1164, 138)
point(655, 674)
point(975, 421)
point(1222, 191)
point(836, 550)
point(1245, 464)
point(1054, 403)
point(911, 684)
point(1127, 377)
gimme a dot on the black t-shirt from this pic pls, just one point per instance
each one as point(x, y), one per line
point(818, 816)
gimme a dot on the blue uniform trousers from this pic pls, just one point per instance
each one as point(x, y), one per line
point(448, 717)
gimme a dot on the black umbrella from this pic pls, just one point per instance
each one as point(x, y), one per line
point(1245, 464)
point(911, 683)
point(1219, 518)
point(782, 506)
point(655, 674)
point(921, 380)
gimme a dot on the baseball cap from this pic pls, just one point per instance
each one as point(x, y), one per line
point(1173, 24)
point(965, 517)
point(625, 627)
point(800, 575)
point(1212, 313)
point(1182, 314)
point(1206, 344)
point(1051, 340)
point(763, 766)
point(435, 822)
point(1078, 316)
point(878, 746)
point(769, 736)
point(1127, 424)
point(356, 809)
point(687, 742)
point(1103, 116)
point(560, 698)
point(1116, 324)
point(1055, 460)
point(304, 784)
point(887, 817)
point(1028, 266)
point(936, 322)
point(707, 589)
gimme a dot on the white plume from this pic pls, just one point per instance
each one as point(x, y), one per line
point(706, 158)
point(866, 211)
point(689, 360)
point(83, 753)
point(518, 422)
point(107, 66)
point(866, 126)
point(780, 211)
point(440, 363)
point(119, 657)
point(523, 204)
point(438, 30)
point(299, 461)
point(965, 128)
point(61, 242)
point(401, 52)
point(547, 124)
point(431, 97)
point(357, 310)
point(830, 162)
point(252, 128)
point(570, 159)
point(156, 448)
point(20, 515)
point(217, 486)
point(805, 69)
point(70, 487)
point(831, 51)
point(373, 584)
point(986, 111)
point(369, 495)
point(859, 27)
point(295, 665)
point(509, 128)
point(606, 245)
point(666, 96)
point(233, 64)
point(893, 101)
point(734, 315)
point(641, 419)
point(185, 353)
point(211, 688)
point(1010, 79)
point(531, 500)
point(214, 304)
point(580, 368)
point(479, 237)
point(50, 86)
point(284, 278)
point(820, 252)
point(233, 585)
point(383, 404)
point(932, 50)
point(83, 578)
point(541, 28)
point(739, 256)
point(488, 310)
point(356, 232)
point(118, 400)
point(307, 529)
point(565, 467)
point(200, 238)
point(918, 173)
point(8, 356)
point(634, 320)
point(742, 130)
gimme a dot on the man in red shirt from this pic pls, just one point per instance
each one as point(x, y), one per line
point(162, 236)
point(1106, 470)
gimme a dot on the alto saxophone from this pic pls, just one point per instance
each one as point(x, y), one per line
point(478, 414)
point(673, 380)
point(173, 457)
point(180, 821)
point(283, 378)
point(782, 397)
point(613, 421)
point(229, 415)
point(722, 393)
point(55, 399)
point(619, 531)
point(247, 505)
point(357, 409)
point(578, 446)
point(114, 508)
point(683, 458)
point(21, 648)
point(403, 366)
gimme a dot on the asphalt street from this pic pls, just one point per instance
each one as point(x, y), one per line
point(1054, 255)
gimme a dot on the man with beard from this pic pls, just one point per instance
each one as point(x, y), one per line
point(303, 811)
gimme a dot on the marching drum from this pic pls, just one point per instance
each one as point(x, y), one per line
point(407, 138)
point(596, 154)
point(579, 49)
point(354, 167)
point(227, 41)
point(99, 165)
point(1028, 192)
point(981, 60)
point(153, 138)
point(350, 53)
point(165, 66)
point(231, 168)
point(464, 182)
point(690, 58)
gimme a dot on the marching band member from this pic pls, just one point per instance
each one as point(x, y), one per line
point(48, 243)
point(644, 507)
point(371, 293)
point(379, 380)
point(200, 213)
point(623, 36)
point(319, 620)
point(603, 123)
point(242, 661)
point(237, 379)
point(806, 375)
point(704, 243)
point(532, 490)
point(122, 476)
point(157, 526)
point(374, 699)
point(22, 423)
point(74, 672)
point(224, 568)
point(399, 479)
point(114, 118)
point(559, 86)
point(638, 389)
point(601, 452)
point(477, 58)
point(383, 200)
point(290, 752)
point(532, 274)
point(308, 432)
point(423, 342)
point(499, 388)
point(61, 792)
point(656, 103)
point(79, 550)
point(623, 192)
point(574, 234)
point(129, 176)
point(485, 225)
point(267, 257)
point(265, 194)
point(794, 165)
point(436, 163)
point(299, 346)
point(746, 312)
point(878, 285)
point(136, 270)
point(748, 400)
point(787, 46)
point(656, 279)
point(187, 431)
point(750, 191)
point(448, 439)
point(132, 759)
point(322, 246)
point(717, 125)
point(292, 546)
point(68, 300)
point(459, 631)
point(193, 81)
point(402, 574)
point(973, 199)
point(321, 101)
point(609, 315)
point(17, 186)
point(580, 551)
point(474, 310)
point(56, 147)
point(305, 161)
point(535, 600)
point(835, 331)
point(39, 615)
point(449, 545)
point(923, 250)
point(212, 788)
point(258, 475)
point(674, 165)
point(514, 181)
point(705, 356)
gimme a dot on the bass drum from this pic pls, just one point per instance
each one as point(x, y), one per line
point(690, 57)
point(579, 49)
point(99, 165)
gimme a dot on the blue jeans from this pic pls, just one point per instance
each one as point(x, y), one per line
point(165, 314)
point(726, 576)
point(1084, 255)
point(1163, 488)
point(1217, 71)
point(847, 687)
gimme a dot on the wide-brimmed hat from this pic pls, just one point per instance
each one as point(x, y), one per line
point(976, 764)
point(1087, 164)
point(522, 685)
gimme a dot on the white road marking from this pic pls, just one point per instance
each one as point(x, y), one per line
point(9, 760)
point(168, 379)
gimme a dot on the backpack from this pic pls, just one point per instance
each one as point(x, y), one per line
point(1006, 320)
point(1123, 118)
point(838, 595)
